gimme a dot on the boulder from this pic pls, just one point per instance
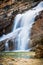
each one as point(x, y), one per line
point(39, 51)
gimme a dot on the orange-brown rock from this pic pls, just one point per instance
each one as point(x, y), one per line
point(38, 25)
point(39, 51)
point(37, 35)
point(8, 10)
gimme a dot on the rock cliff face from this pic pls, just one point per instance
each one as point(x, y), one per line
point(8, 10)
point(37, 34)
point(38, 25)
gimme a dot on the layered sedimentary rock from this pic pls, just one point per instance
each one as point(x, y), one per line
point(8, 10)
point(2, 46)
point(37, 34)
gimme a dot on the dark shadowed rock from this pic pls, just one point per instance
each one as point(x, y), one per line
point(11, 44)
point(2, 46)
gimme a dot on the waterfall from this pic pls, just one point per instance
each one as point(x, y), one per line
point(22, 27)
point(6, 46)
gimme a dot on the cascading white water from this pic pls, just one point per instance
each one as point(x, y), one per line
point(6, 46)
point(22, 27)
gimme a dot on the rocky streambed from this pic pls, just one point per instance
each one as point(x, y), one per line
point(20, 58)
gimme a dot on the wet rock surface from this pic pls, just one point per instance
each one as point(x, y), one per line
point(38, 25)
point(2, 46)
point(8, 11)
point(37, 35)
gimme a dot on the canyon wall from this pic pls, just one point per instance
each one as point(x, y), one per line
point(37, 35)
point(8, 10)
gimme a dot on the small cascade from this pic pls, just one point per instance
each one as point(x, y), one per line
point(22, 28)
point(6, 46)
